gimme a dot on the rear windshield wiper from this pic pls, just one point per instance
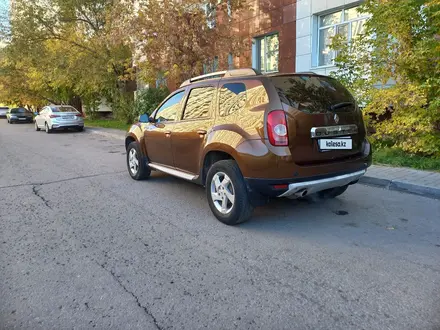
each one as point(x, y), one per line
point(340, 105)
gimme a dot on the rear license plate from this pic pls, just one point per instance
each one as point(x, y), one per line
point(68, 117)
point(335, 144)
point(21, 118)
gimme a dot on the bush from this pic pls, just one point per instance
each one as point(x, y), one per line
point(147, 100)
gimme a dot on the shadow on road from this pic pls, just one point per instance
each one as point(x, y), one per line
point(278, 214)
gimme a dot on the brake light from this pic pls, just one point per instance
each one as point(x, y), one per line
point(277, 128)
point(54, 116)
point(79, 115)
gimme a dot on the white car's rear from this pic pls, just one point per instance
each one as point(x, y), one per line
point(3, 111)
point(59, 117)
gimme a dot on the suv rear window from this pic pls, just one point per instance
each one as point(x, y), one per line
point(313, 94)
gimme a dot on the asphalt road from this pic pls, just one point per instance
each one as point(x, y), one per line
point(82, 246)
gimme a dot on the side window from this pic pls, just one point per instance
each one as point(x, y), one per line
point(169, 110)
point(232, 98)
point(199, 102)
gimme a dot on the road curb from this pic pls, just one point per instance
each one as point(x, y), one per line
point(397, 185)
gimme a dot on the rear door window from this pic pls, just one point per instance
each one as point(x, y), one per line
point(313, 94)
point(199, 103)
point(232, 98)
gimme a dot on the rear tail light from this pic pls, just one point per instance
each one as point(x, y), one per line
point(79, 115)
point(277, 128)
point(54, 116)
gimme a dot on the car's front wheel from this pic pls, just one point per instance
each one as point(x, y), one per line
point(137, 166)
point(227, 193)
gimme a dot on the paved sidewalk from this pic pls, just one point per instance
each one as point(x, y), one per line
point(418, 182)
point(393, 178)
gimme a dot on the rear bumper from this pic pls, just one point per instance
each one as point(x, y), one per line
point(67, 125)
point(18, 120)
point(300, 189)
point(290, 186)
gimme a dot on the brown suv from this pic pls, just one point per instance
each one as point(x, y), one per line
point(248, 137)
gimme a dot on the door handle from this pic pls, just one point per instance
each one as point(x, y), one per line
point(167, 133)
point(201, 131)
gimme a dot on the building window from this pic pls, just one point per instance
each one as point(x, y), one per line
point(347, 22)
point(211, 65)
point(211, 14)
point(161, 81)
point(230, 61)
point(267, 53)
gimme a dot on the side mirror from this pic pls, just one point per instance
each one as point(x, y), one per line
point(144, 118)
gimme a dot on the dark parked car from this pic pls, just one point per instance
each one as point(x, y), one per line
point(248, 137)
point(15, 115)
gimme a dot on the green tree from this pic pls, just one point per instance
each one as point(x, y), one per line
point(63, 51)
point(395, 69)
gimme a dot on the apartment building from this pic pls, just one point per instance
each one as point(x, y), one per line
point(269, 27)
point(317, 21)
point(292, 35)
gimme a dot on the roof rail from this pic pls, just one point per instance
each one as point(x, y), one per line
point(223, 74)
point(306, 72)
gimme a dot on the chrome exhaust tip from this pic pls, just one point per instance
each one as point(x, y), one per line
point(300, 193)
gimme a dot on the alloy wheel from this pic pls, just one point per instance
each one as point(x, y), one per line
point(222, 193)
point(133, 161)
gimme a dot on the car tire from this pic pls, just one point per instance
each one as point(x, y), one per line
point(140, 170)
point(48, 130)
point(36, 127)
point(332, 193)
point(223, 182)
point(80, 129)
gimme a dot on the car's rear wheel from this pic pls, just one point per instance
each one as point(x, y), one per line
point(80, 129)
point(48, 130)
point(332, 193)
point(227, 193)
point(136, 164)
point(36, 127)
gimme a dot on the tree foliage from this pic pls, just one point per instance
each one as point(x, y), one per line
point(395, 69)
point(175, 38)
point(61, 51)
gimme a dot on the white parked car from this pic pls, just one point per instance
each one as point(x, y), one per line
point(3, 111)
point(55, 117)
